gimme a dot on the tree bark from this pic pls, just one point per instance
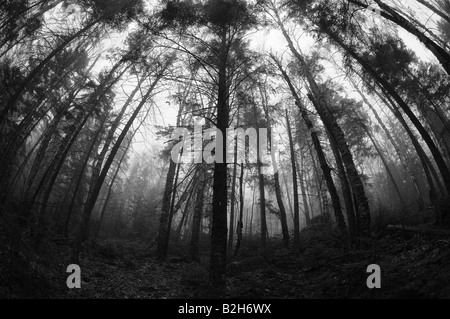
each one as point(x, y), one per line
point(294, 184)
point(240, 224)
point(392, 15)
point(17, 94)
point(111, 184)
point(232, 199)
point(91, 203)
point(420, 200)
point(428, 168)
point(331, 124)
point(218, 259)
point(278, 194)
point(184, 217)
point(303, 190)
point(386, 86)
point(197, 218)
point(388, 170)
point(166, 238)
point(321, 156)
point(22, 25)
point(52, 172)
point(346, 191)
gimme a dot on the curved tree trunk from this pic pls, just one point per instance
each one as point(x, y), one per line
point(240, 225)
point(261, 184)
point(185, 215)
point(111, 184)
point(40, 154)
point(445, 172)
point(232, 200)
point(218, 259)
point(427, 166)
point(197, 218)
point(301, 177)
point(96, 190)
point(283, 218)
point(287, 194)
point(22, 87)
point(294, 184)
point(52, 171)
point(26, 126)
point(380, 122)
point(18, 28)
point(51, 175)
point(14, 18)
point(356, 183)
point(165, 211)
point(386, 166)
point(321, 157)
point(331, 124)
point(392, 15)
point(80, 179)
point(166, 238)
point(278, 194)
point(346, 190)
point(435, 10)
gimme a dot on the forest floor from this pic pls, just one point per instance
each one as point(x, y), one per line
point(415, 263)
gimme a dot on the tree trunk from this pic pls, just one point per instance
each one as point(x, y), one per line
point(26, 126)
point(279, 197)
point(165, 211)
point(166, 238)
point(218, 258)
point(303, 190)
point(91, 203)
point(240, 224)
point(428, 168)
point(392, 15)
point(337, 136)
point(22, 13)
point(25, 22)
point(294, 184)
point(187, 193)
point(321, 156)
point(111, 184)
point(403, 161)
point(287, 193)
point(197, 218)
point(388, 170)
point(435, 10)
point(386, 86)
point(40, 154)
point(17, 94)
point(81, 175)
point(51, 175)
point(331, 124)
point(63, 151)
point(283, 219)
point(232, 200)
point(184, 217)
point(318, 180)
point(346, 190)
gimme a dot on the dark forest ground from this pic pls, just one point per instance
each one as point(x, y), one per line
point(415, 264)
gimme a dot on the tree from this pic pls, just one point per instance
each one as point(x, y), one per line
point(225, 22)
point(159, 73)
point(294, 183)
point(319, 150)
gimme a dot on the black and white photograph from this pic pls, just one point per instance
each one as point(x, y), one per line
point(224, 155)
